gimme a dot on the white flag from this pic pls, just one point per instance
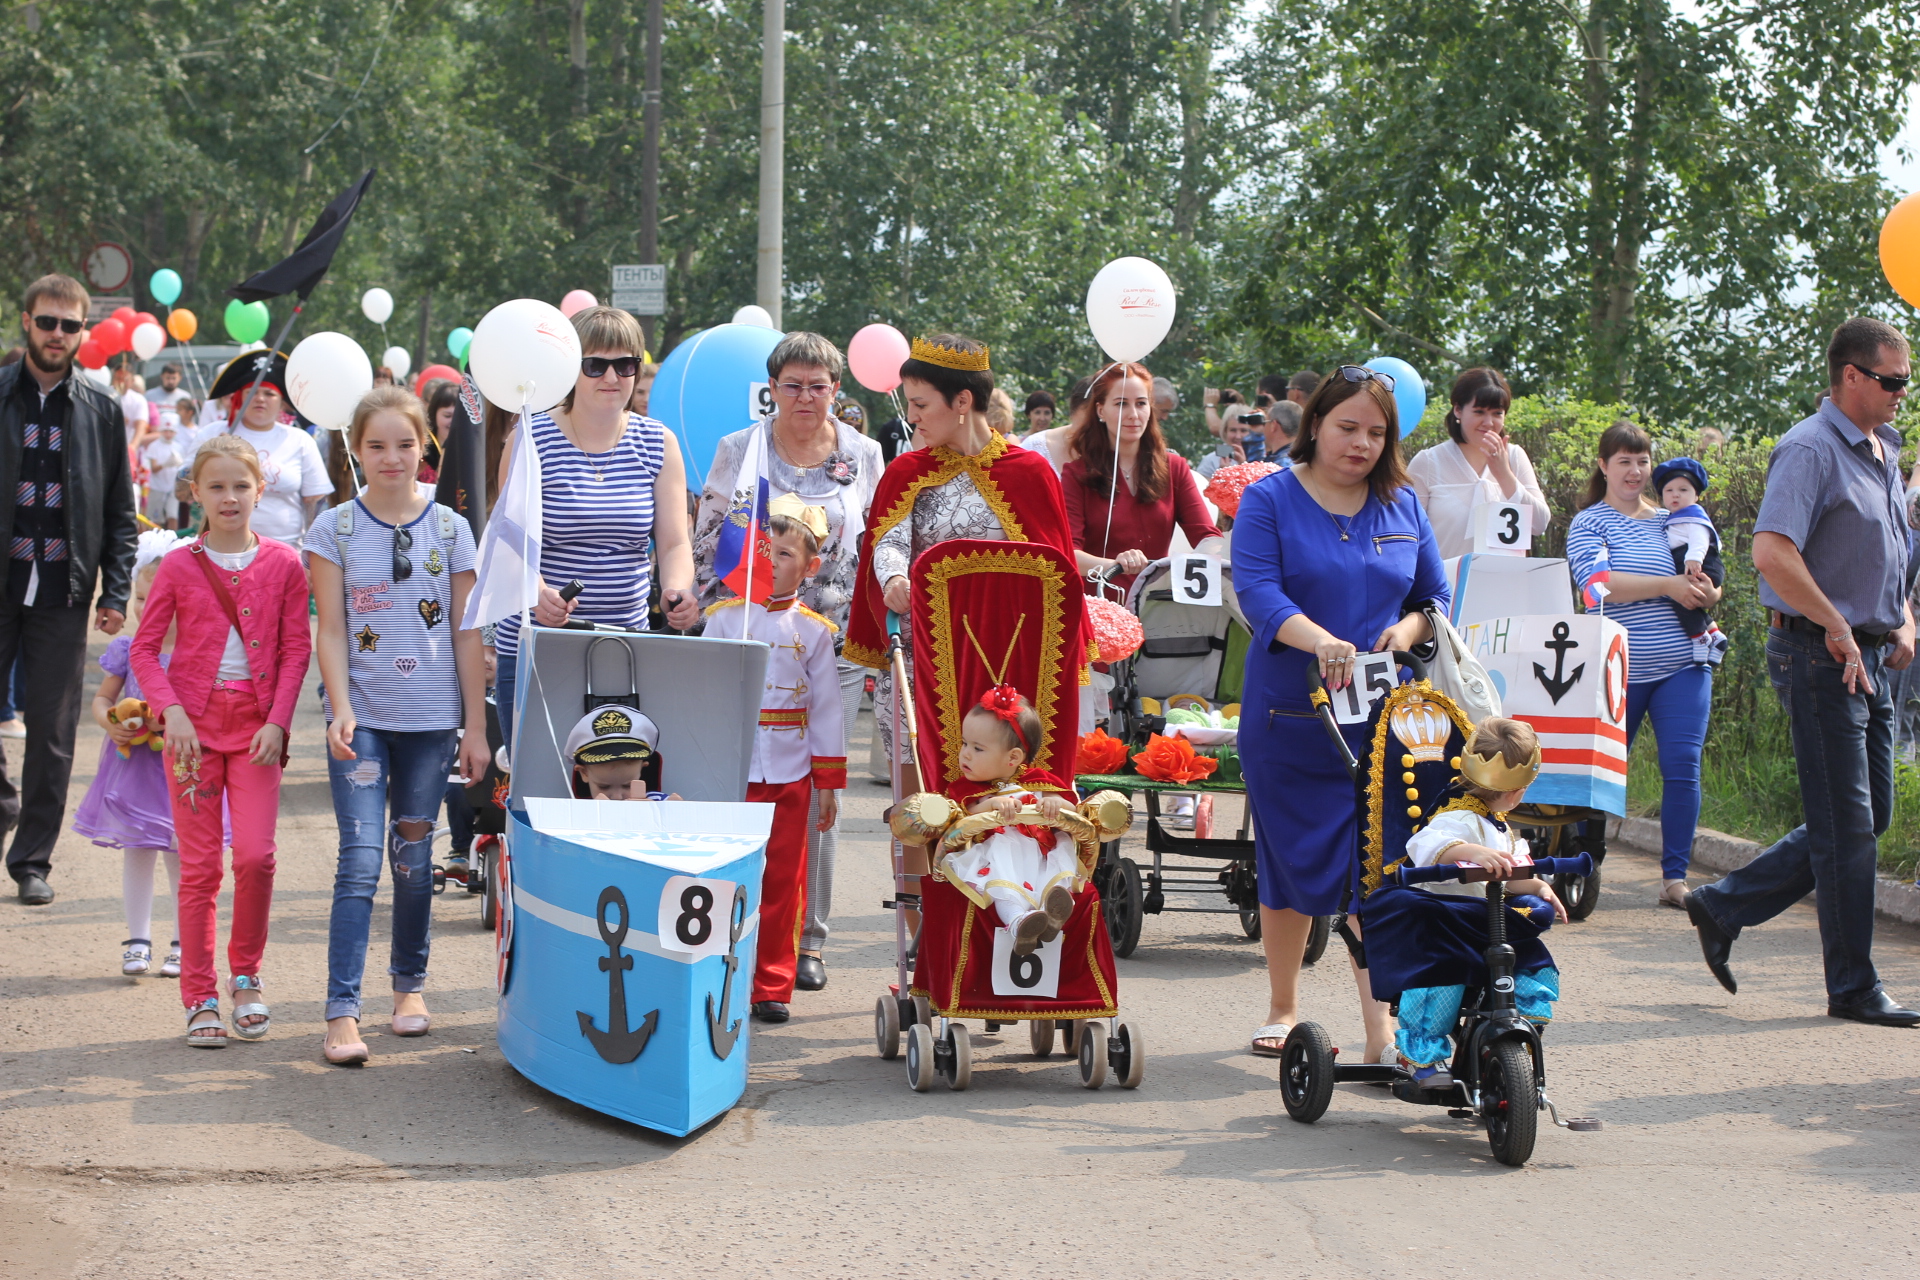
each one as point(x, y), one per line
point(508, 581)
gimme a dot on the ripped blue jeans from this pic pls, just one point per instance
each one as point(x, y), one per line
point(405, 773)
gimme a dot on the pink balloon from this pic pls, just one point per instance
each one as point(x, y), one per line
point(875, 355)
point(578, 300)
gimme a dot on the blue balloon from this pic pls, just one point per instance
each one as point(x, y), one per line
point(165, 286)
point(1409, 391)
point(707, 389)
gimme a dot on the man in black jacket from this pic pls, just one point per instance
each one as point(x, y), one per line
point(66, 522)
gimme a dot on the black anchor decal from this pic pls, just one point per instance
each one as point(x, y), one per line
point(1555, 685)
point(616, 1044)
point(718, 1031)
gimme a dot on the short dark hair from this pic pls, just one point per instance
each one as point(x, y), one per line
point(1482, 388)
point(168, 368)
point(1624, 436)
point(800, 347)
point(1860, 340)
point(1038, 400)
point(1306, 381)
point(1389, 473)
point(1273, 384)
point(951, 382)
point(60, 288)
point(784, 525)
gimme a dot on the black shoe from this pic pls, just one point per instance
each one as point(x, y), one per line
point(770, 1011)
point(1877, 1009)
point(1715, 943)
point(811, 974)
point(34, 891)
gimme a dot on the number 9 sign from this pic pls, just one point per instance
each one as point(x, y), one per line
point(694, 916)
point(759, 400)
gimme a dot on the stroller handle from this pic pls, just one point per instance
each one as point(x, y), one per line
point(1580, 864)
point(1401, 658)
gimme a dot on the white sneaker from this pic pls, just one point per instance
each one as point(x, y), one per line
point(137, 958)
point(14, 728)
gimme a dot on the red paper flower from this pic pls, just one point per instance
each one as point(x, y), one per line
point(1173, 760)
point(1100, 753)
point(1116, 633)
point(1229, 483)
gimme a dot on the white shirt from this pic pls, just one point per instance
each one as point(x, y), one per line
point(291, 463)
point(233, 663)
point(133, 407)
point(801, 732)
point(162, 396)
point(1448, 490)
point(1455, 827)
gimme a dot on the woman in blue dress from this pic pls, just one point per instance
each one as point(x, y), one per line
point(1330, 557)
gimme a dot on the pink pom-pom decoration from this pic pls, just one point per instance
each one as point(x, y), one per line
point(1228, 483)
point(1116, 633)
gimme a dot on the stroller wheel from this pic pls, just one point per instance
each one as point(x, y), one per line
point(1510, 1102)
point(490, 896)
point(923, 1012)
point(886, 1027)
point(1580, 894)
point(919, 1058)
point(439, 879)
point(960, 1045)
point(1250, 925)
point(1306, 1072)
point(1093, 1054)
point(1127, 1056)
point(1040, 1037)
point(1124, 903)
point(1070, 1032)
point(1317, 936)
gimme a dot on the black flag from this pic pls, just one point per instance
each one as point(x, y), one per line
point(302, 269)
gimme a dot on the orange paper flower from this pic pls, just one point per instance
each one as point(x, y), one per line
point(1228, 483)
point(1100, 753)
point(1116, 632)
point(1173, 760)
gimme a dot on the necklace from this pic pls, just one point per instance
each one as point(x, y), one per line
point(1345, 530)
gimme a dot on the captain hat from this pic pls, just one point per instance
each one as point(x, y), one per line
point(612, 733)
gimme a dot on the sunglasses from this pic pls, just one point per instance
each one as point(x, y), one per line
point(402, 543)
point(1888, 382)
point(622, 366)
point(49, 323)
point(812, 390)
point(1360, 373)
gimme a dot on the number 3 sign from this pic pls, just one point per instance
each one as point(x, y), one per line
point(694, 915)
point(1502, 528)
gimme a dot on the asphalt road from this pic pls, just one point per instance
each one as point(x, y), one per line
point(1744, 1136)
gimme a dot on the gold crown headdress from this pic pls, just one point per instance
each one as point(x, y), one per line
point(1495, 774)
point(791, 506)
point(950, 357)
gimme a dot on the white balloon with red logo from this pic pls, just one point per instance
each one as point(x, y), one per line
point(1130, 308)
point(524, 352)
point(326, 376)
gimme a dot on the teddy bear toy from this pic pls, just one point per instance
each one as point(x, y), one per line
point(132, 713)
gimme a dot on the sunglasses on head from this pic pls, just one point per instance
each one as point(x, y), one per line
point(62, 323)
point(622, 366)
point(1360, 373)
point(1888, 382)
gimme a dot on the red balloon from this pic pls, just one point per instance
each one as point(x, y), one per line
point(435, 373)
point(143, 317)
point(126, 316)
point(111, 336)
point(90, 355)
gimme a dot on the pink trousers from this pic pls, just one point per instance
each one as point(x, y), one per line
point(252, 794)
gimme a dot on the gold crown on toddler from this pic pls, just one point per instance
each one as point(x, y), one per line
point(950, 357)
point(790, 506)
point(1495, 774)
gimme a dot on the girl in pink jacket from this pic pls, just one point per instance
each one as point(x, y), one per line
point(227, 697)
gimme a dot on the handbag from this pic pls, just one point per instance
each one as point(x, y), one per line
point(1457, 673)
point(199, 552)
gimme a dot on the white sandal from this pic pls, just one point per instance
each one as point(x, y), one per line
point(1276, 1031)
point(170, 967)
point(206, 1035)
point(258, 1031)
point(137, 958)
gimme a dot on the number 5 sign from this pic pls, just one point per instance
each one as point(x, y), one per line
point(1196, 580)
point(694, 916)
point(1502, 529)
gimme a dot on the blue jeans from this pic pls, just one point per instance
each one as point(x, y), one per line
point(1678, 706)
point(1843, 752)
point(407, 774)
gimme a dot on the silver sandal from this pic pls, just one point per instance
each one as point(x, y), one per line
point(206, 1035)
point(170, 967)
point(137, 959)
point(241, 1012)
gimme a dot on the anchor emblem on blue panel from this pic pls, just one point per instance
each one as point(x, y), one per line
point(616, 1044)
point(722, 1035)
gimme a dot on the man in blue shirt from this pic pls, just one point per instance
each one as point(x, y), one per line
point(1831, 547)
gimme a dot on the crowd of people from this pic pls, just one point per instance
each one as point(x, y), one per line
point(1339, 551)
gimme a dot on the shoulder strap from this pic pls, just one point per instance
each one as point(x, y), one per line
point(199, 552)
point(447, 516)
point(343, 519)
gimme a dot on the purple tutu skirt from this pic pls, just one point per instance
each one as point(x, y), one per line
point(127, 807)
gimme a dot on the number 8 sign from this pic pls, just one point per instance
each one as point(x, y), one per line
point(694, 915)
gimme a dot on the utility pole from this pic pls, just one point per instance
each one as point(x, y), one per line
point(773, 155)
point(650, 155)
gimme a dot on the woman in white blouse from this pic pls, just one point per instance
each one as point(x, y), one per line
point(1478, 466)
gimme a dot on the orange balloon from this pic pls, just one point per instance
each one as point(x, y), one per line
point(182, 324)
point(1900, 249)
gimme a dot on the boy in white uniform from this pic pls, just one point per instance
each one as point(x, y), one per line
point(801, 744)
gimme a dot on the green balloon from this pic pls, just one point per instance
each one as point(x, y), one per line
point(246, 321)
point(165, 286)
point(458, 341)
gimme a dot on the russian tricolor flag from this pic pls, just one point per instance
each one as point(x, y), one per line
point(741, 557)
point(1595, 592)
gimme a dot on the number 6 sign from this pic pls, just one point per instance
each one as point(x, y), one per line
point(1034, 976)
point(694, 915)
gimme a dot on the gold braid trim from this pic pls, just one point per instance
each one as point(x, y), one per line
point(951, 465)
point(821, 618)
point(1108, 1006)
point(728, 603)
point(861, 656)
point(1373, 852)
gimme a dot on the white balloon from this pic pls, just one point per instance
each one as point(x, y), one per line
point(1130, 307)
point(99, 376)
point(524, 352)
point(399, 360)
point(326, 376)
point(376, 305)
point(147, 340)
point(754, 314)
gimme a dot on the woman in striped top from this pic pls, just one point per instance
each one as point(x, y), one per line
point(1664, 681)
point(612, 484)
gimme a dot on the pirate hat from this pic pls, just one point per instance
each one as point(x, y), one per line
point(240, 372)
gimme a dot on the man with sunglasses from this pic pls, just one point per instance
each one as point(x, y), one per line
point(67, 521)
point(1830, 543)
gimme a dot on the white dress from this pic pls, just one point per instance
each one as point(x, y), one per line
point(1009, 870)
point(1448, 489)
point(1453, 827)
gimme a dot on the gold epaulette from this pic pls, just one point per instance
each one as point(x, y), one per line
point(822, 619)
point(718, 605)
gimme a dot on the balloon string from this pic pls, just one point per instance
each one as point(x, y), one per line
point(1113, 486)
